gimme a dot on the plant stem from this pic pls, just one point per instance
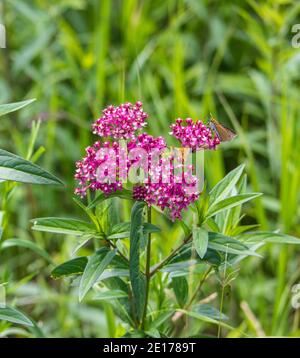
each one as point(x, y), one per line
point(198, 288)
point(221, 311)
point(179, 317)
point(168, 258)
point(147, 273)
point(119, 252)
point(222, 295)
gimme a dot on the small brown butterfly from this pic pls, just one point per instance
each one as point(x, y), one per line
point(224, 134)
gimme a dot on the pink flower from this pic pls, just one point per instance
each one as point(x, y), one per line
point(104, 156)
point(194, 135)
point(167, 190)
point(168, 181)
point(120, 122)
point(171, 196)
point(106, 165)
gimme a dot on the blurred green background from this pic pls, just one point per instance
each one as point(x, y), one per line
point(180, 58)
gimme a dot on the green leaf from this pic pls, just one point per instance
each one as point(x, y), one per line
point(238, 230)
point(185, 254)
point(229, 245)
point(271, 237)
point(210, 311)
point(179, 266)
point(122, 230)
point(108, 214)
point(65, 226)
point(15, 316)
point(212, 225)
point(15, 168)
point(123, 194)
point(109, 273)
point(96, 265)
point(230, 203)
point(110, 295)
point(233, 216)
point(11, 107)
point(136, 278)
point(186, 229)
point(28, 245)
point(203, 317)
point(200, 241)
point(199, 268)
point(72, 267)
point(149, 228)
point(223, 188)
point(121, 306)
point(162, 317)
point(181, 289)
point(152, 333)
point(120, 235)
point(121, 227)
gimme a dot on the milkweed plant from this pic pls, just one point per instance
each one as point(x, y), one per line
point(147, 292)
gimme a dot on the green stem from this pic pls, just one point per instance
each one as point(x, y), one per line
point(198, 288)
point(147, 273)
point(170, 256)
point(222, 295)
point(180, 319)
point(221, 310)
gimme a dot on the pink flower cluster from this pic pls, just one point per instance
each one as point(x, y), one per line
point(168, 181)
point(194, 135)
point(174, 195)
point(170, 184)
point(87, 172)
point(120, 122)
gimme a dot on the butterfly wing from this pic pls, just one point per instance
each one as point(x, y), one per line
point(225, 134)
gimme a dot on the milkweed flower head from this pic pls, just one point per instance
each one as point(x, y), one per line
point(106, 165)
point(174, 196)
point(99, 155)
point(171, 196)
point(194, 135)
point(120, 122)
point(171, 185)
point(168, 181)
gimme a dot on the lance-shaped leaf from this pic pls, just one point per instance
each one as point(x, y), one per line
point(13, 315)
point(27, 245)
point(210, 311)
point(65, 226)
point(229, 245)
point(223, 188)
point(122, 230)
point(123, 194)
point(231, 202)
point(15, 168)
point(200, 241)
point(11, 107)
point(72, 267)
point(136, 277)
point(272, 237)
point(96, 265)
point(203, 316)
point(181, 289)
point(110, 295)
